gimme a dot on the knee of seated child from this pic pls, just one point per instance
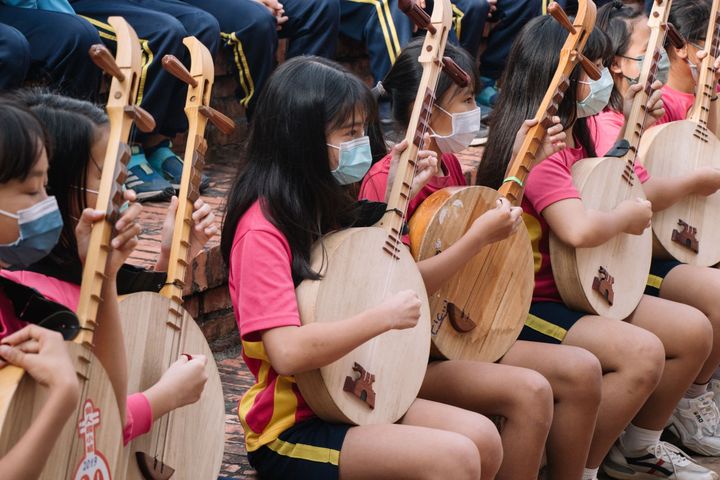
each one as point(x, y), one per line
point(533, 398)
point(695, 333)
point(644, 363)
point(580, 377)
point(463, 460)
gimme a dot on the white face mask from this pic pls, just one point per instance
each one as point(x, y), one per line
point(599, 96)
point(465, 127)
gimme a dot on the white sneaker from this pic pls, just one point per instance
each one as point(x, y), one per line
point(662, 460)
point(696, 421)
point(714, 387)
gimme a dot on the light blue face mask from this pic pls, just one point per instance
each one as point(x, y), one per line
point(598, 97)
point(663, 67)
point(354, 160)
point(40, 227)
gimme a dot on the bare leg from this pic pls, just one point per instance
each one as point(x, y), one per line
point(576, 380)
point(523, 397)
point(698, 287)
point(414, 450)
point(686, 335)
point(632, 361)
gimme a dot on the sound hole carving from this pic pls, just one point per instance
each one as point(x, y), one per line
point(361, 386)
point(603, 284)
point(152, 468)
point(687, 236)
point(459, 320)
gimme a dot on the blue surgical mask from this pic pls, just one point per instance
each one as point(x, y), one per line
point(40, 227)
point(354, 160)
point(598, 97)
point(663, 67)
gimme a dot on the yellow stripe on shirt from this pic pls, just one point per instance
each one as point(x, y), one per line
point(459, 14)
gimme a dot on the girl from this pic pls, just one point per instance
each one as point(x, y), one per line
point(284, 198)
point(23, 170)
point(648, 360)
point(690, 17)
point(573, 373)
point(696, 419)
point(80, 131)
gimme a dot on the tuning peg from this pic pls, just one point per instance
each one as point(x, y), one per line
point(676, 38)
point(590, 68)
point(221, 122)
point(143, 120)
point(418, 16)
point(102, 57)
point(559, 14)
point(458, 75)
point(178, 70)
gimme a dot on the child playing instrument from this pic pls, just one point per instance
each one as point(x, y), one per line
point(696, 419)
point(690, 17)
point(568, 369)
point(23, 172)
point(301, 150)
point(79, 131)
point(649, 359)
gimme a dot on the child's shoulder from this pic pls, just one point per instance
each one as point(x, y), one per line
point(255, 223)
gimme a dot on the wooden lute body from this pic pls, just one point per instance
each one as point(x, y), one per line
point(378, 381)
point(187, 443)
point(479, 312)
point(90, 444)
point(609, 280)
point(689, 230)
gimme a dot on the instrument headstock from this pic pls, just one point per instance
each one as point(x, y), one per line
point(432, 60)
point(660, 30)
point(199, 80)
point(579, 30)
point(706, 86)
point(125, 69)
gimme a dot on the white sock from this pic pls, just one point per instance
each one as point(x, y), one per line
point(590, 473)
point(695, 390)
point(638, 439)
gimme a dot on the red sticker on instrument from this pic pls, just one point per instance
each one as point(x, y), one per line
point(93, 465)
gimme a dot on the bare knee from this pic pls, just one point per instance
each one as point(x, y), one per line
point(581, 380)
point(696, 335)
point(533, 403)
point(486, 438)
point(643, 364)
point(463, 460)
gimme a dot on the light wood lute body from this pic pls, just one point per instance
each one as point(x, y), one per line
point(609, 280)
point(479, 312)
point(187, 443)
point(378, 381)
point(90, 444)
point(689, 230)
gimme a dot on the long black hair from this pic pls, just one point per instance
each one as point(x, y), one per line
point(288, 166)
point(22, 139)
point(531, 65)
point(403, 79)
point(617, 21)
point(691, 18)
point(72, 126)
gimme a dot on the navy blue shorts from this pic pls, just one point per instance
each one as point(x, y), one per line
point(307, 450)
point(549, 322)
point(659, 269)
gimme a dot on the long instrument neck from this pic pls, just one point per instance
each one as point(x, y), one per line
point(513, 186)
point(431, 58)
point(706, 88)
point(635, 125)
point(109, 199)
